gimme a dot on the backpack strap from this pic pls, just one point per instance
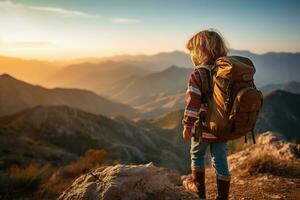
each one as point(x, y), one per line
point(206, 75)
point(253, 136)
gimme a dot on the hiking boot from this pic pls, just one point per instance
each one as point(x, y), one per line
point(223, 186)
point(196, 184)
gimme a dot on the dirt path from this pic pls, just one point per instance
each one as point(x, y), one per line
point(259, 186)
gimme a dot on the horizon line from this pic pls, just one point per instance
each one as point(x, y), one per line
point(132, 54)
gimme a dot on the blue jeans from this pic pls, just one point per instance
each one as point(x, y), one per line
point(218, 153)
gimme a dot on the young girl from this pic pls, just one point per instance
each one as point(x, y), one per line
point(205, 47)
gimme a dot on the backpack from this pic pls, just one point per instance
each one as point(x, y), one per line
point(230, 97)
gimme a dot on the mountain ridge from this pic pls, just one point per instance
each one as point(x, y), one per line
point(17, 95)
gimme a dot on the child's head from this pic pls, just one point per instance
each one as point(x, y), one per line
point(206, 46)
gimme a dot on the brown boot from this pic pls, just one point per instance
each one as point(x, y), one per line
point(223, 186)
point(196, 184)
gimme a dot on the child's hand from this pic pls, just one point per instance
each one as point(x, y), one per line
point(187, 133)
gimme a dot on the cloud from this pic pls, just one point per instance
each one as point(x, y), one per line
point(120, 20)
point(32, 43)
point(10, 5)
point(61, 11)
point(26, 44)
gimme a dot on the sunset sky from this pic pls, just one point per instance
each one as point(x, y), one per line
point(56, 29)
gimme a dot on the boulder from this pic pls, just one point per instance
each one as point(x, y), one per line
point(128, 182)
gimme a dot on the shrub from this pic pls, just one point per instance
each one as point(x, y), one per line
point(27, 178)
point(65, 176)
point(92, 158)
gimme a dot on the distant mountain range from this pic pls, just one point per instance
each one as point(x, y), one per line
point(272, 68)
point(16, 95)
point(124, 78)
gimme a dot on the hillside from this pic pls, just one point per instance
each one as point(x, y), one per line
point(268, 170)
point(167, 126)
point(281, 113)
point(16, 95)
point(60, 134)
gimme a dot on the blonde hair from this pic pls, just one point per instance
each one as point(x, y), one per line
point(206, 46)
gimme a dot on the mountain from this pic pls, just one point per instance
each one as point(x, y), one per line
point(153, 94)
point(93, 76)
point(16, 95)
point(59, 134)
point(170, 80)
point(272, 166)
point(281, 113)
point(292, 86)
point(33, 71)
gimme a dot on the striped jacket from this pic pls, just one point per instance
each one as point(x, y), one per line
point(193, 101)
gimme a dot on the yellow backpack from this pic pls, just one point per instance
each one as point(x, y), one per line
point(231, 98)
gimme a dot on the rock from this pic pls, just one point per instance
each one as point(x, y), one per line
point(274, 196)
point(268, 137)
point(127, 182)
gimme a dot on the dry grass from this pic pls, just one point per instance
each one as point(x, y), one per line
point(261, 163)
point(64, 177)
point(264, 162)
point(27, 178)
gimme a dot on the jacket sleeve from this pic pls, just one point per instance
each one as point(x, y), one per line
point(192, 100)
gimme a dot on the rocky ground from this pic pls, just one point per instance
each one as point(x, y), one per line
point(268, 170)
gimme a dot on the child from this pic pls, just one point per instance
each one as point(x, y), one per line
point(205, 47)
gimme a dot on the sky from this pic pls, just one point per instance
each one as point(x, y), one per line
point(56, 29)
